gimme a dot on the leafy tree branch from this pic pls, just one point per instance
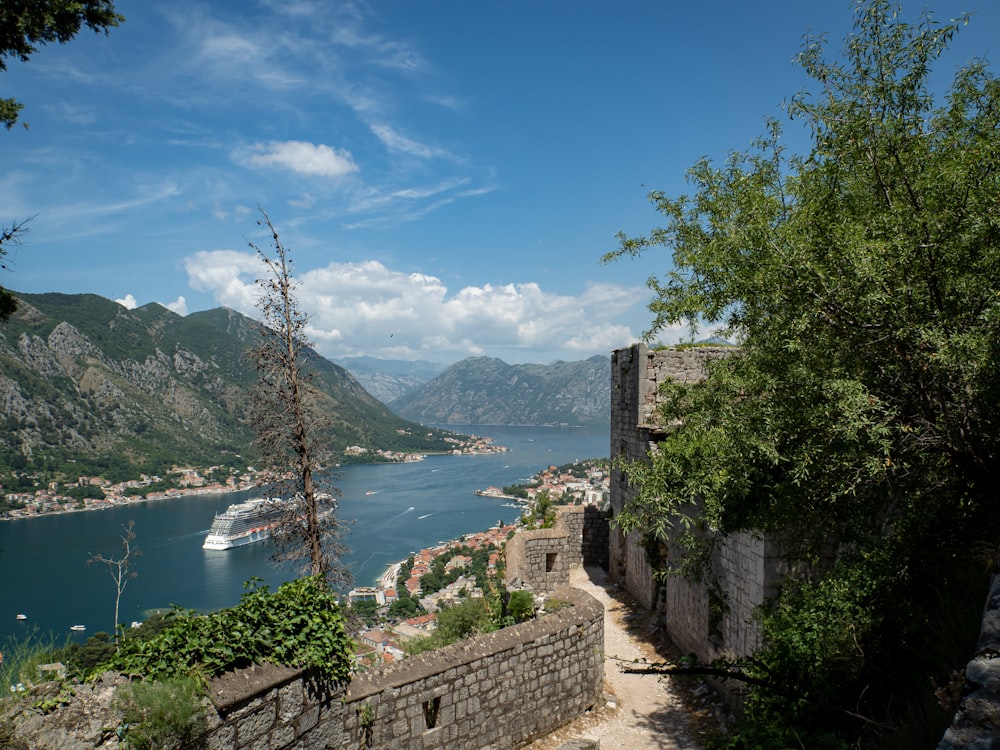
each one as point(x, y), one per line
point(857, 425)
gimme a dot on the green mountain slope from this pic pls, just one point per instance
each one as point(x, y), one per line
point(89, 387)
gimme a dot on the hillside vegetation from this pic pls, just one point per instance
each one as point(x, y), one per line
point(88, 387)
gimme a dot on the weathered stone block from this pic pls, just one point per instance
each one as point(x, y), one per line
point(257, 723)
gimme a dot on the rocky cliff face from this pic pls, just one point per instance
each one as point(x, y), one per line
point(61, 392)
point(487, 391)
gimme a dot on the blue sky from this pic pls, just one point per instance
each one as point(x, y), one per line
point(447, 173)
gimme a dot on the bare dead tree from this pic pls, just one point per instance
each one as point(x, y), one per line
point(120, 570)
point(289, 425)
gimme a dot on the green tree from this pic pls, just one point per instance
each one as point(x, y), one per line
point(860, 413)
point(26, 24)
point(288, 424)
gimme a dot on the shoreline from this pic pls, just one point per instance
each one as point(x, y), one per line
point(111, 504)
point(118, 501)
point(390, 578)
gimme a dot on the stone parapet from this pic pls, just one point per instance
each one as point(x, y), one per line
point(493, 692)
point(541, 559)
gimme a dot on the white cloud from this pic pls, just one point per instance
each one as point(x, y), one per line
point(300, 157)
point(178, 306)
point(223, 274)
point(368, 308)
point(128, 302)
point(304, 202)
point(396, 142)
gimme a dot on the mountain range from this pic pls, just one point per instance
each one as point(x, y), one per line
point(390, 379)
point(90, 387)
point(488, 391)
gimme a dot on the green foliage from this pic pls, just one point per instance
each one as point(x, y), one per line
point(82, 659)
point(405, 605)
point(299, 625)
point(542, 514)
point(554, 604)
point(518, 490)
point(21, 658)
point(468, 618)
point(521, 605)
point(465, 619)
point(87, 491)
point(50, 704)
point(362, 613)
point(164, 713)
point(859, 414)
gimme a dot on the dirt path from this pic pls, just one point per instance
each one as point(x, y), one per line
point(642, 712)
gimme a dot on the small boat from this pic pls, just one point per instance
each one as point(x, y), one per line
point(78, 628)
point(371, 492)
point(20, 617)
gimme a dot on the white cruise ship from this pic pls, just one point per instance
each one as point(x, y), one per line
point(243, 523)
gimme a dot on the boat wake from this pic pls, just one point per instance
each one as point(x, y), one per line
point(425, 515)
point(164, 541)
point(172, 539)
point(372, 555)
point(396, 517)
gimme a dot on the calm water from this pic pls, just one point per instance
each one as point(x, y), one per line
point(44, 571)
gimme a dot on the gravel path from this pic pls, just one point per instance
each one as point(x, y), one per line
point(641, 711)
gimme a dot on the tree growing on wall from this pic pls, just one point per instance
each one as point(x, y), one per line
point(861, 281)
point(289, 425)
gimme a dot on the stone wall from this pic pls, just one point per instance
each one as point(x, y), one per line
point(595, 537)
point(712, 617)
point(977, 723)
point(716, 616)
point(494, 692)
point(540, 560)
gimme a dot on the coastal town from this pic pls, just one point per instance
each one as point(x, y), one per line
point(416, 579)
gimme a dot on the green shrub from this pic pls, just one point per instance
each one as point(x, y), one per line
point(299, 625)
point(471, 617)
point(81, 659)
point(521, 605)
point(161, 714)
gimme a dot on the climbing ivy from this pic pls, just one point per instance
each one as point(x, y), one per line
point(299, 625)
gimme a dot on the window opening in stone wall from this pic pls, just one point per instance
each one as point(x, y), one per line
point(550, 561)
point(431, 709)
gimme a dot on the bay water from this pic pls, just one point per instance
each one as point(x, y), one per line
point(396, 509)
